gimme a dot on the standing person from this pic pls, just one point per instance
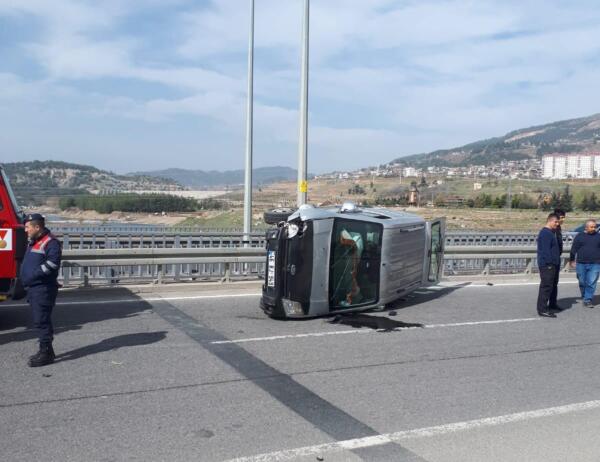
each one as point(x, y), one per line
point(561, 214)
point(548, 259)
point(39, 271)
point(586, 248)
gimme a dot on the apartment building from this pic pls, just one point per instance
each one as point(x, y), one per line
point(562, 166)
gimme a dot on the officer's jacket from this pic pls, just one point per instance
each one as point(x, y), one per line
point(42, 261)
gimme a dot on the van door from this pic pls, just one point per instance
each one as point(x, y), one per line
point(434, 264)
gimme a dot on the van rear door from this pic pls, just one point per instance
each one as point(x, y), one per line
point(434, 260)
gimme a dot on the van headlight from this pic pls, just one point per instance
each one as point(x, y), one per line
point(292, 308)
point(292, 230)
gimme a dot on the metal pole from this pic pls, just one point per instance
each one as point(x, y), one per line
point(509, 198)
point(249, 132)
point(302, 145)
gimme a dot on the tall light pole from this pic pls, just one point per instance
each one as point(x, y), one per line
point(302, 145)
point(249, 132)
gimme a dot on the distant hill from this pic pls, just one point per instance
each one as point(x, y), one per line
point(36, 179)
point(201, 179)
point(566, 136)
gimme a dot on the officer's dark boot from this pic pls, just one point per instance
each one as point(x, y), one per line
point(43, 357)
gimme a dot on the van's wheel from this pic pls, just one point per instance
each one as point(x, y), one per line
point(274, 216)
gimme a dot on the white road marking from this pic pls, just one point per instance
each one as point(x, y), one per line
point(141, 299)
point(361, 331)
point(507, 284)
point(425, 432)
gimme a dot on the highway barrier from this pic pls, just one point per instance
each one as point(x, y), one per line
point(179, 264)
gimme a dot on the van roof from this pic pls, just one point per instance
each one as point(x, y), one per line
point(389, 218)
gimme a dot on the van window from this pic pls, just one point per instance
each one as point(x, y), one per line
point(355, 264)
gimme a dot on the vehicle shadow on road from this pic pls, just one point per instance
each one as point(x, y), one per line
point(379, 323)
point(422, 296)
point(113, 343)
point(69, 315)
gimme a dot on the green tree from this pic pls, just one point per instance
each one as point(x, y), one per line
point(566, 200)
point(593, 204)
point(483, 200)
point(500, 201)
point(590, 203)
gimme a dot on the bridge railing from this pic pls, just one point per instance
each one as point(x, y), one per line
point(134, 236)
point(159, 264)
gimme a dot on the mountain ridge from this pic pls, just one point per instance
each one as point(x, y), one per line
point(203, 179)
point(564, 136)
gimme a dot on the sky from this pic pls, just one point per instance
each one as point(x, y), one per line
point(150, 84)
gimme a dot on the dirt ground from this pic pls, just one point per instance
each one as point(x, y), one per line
point(329, 191)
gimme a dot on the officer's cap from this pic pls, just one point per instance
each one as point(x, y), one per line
point(34, 217)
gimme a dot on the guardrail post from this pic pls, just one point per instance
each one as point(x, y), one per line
point(529, 267)
point(227, 276)
point(486, 266)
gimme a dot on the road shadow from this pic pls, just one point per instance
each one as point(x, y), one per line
point(379, 323)
point(421, 296)
point(69, 315)
point(568, 303)
point(113, 343)
point(384, 323)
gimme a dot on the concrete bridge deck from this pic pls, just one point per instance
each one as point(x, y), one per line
point(463, 372)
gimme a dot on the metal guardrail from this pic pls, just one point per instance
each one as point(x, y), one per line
point(132, 236)
point(492, 260)
point(157, 265)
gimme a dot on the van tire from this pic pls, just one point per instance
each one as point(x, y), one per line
point(274, 216)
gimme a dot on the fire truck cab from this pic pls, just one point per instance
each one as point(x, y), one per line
point(13, 242)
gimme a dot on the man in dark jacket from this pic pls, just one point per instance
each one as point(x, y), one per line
point(39, 271)
point(586, 248)
point(561, 214)
point(548, 259)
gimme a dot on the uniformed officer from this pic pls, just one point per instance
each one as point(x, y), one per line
point(39, 271)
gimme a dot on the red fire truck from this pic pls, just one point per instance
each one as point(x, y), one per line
point(13, 242)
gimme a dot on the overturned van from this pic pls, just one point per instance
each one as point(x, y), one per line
point(331, 260)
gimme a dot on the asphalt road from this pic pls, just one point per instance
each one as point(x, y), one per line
point(461, 373)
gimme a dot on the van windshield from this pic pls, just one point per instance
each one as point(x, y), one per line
point(11, 194)
point(355, 263)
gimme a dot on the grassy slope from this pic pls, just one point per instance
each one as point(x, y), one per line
point(462, 218)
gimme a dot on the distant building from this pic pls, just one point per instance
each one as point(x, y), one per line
point(409, 171)
point(453, 200)
point(562, 166)
point(477, 186)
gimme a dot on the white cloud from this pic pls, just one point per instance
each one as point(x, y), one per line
point(432, 73)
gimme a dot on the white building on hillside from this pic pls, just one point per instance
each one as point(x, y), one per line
point(409, 171)
point(562, 166)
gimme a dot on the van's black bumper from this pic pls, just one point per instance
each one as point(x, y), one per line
point(272, 306)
